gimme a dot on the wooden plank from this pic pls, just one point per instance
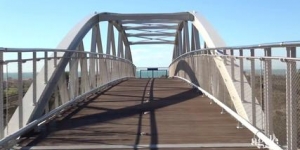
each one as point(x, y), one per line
point(175, 114)
point(167, 146)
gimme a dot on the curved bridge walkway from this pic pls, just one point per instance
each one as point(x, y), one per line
point(143, 114)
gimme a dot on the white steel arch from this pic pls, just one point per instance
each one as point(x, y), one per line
point(73, 39)
point(242, 105)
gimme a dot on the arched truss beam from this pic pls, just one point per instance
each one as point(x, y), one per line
point(150, 16)
point(208, 33)
point(75, 36)
point(147, 27)
point(151, 34)
point(211, 40)
point(71, 42)
point(142, 22)
point(157, 28)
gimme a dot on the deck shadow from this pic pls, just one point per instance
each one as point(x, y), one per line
point(112, 114)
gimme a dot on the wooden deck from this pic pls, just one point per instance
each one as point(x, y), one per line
point(154, 114)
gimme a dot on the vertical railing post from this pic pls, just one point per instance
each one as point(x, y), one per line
point(242, 75)
point(224, 57)
point(252, 80)
point(291, 100)
point(232, 64)
point(34, 78)
point(55, 59)
point(56, 97)
point(46, 67)
point(46, 77)
point(268, 93)
point(97, 71)
point(72, 79)
point(20, 89)
point(1, 97)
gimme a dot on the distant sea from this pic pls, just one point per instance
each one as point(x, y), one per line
point(13, 75)
point(143, 73)
point(150, 74)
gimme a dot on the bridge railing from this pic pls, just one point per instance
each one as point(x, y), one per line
point(152, 72)
point(261, 83)
point(24, 72)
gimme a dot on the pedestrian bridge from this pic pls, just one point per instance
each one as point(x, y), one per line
point(84, 94)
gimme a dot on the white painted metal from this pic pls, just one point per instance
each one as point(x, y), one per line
point(186, 43)
point(179, 40)
point(252, 80)
point(92, 60)
point(268, 93)
point(113, 43)
point(145, 16)
point(46, 67)
point(34, 99)
point(109, 38)
point(1, 97)
point(271, 144)
point(67, 43)
point(291, 101)
point(156, 21)
point(150, 27)
point(98, 39)
point(56, 111)
point(212, 40)
point(150, 34)
point(73, 76)
point(84, 70)
point(151, 42)
point(242, 76)
point(20, 90)
point(63, 90)
point(54, 68)
point(140, 146)
point(70, 42)
point(195, 39)
point(55, 58)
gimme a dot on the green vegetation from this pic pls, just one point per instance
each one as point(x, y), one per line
point(10, 91)
point(279, 103)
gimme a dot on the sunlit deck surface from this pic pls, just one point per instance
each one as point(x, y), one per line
point(154, 114)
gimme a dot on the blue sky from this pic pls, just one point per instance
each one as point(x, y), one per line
point(34, 23)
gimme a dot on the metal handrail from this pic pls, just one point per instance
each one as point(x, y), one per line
point(31, 125)
point(248, 125)
point(246, 47)
point(11, 50)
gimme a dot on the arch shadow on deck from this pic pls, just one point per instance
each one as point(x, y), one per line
point(182, 65)
point(107, 114)
point(175, 114)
